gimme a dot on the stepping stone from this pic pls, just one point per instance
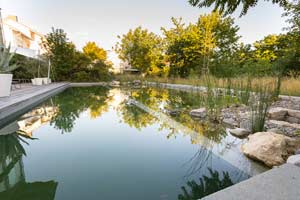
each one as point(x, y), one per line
point(201, 113)
point(239, 132)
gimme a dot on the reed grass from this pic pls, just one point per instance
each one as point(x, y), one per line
point(289, 85)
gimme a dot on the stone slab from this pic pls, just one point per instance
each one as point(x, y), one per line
point(279, 183)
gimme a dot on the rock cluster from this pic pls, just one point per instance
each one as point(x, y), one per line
point(273, 147)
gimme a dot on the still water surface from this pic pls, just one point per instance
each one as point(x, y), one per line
point(92, 143)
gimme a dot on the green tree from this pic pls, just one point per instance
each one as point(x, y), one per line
point(183, 48)
point(61, 53)
point(271, 47)
point(194, 47)
point(92, 51)
point(142, 50)
point(292, 57)
point(230, 6)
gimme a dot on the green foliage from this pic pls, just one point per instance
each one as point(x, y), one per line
point(61, 53)
point(68, 64)
point(95, 53)
point(5, 58)
point(194, 47)
point(142, 50)
point(261, 102)
point(182, 48)
point(29, 67)
point(230, 6)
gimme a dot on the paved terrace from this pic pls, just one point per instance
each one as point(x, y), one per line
point(25, 97)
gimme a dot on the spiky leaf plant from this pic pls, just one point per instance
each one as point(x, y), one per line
point(5, 58)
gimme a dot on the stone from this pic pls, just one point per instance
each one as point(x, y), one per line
point(173, 112)
point(277, 113)
point(293, 120)
point(137, 82)
point(230, 122)
point(289, 129)
point(285, 124)
point(276, 130)
point(294, 113)
point(115, 83)
point(267, 147)
point(294, 159)
point(239, 132)
point(201, 113)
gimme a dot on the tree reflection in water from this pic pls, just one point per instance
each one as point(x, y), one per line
point(135, 117)
point(12, 178)
point(207, 185)
point(74, 101)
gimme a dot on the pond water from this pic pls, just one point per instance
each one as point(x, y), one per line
point(111, 143)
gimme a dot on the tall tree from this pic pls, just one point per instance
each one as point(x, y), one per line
point(61, 53)
point(194, 47)
point(183, 48)
point(142, 50)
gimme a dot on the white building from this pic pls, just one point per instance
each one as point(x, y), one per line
point(23, 39)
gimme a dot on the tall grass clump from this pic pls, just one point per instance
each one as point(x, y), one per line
point(245, 91)
point(260, 103)
point(215, 98)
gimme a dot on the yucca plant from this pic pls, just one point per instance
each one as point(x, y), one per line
point(5, 58)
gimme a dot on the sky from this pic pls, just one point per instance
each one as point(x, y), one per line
point(103, 20)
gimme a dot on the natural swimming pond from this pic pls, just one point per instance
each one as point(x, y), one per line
point(112, 143)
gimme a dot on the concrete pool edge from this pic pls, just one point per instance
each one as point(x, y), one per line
point(276, 184)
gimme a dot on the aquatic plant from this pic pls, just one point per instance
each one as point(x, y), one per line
point(245, 90)
point(260, 103)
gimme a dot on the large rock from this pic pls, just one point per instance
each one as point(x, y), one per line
point(239, 132)
point(277, 113)
point(293, 120)
point(269, 148)
point(294, 159)
point(294, 113)
point(201, 113)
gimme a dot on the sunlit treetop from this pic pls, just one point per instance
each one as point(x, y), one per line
point(229, 6)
